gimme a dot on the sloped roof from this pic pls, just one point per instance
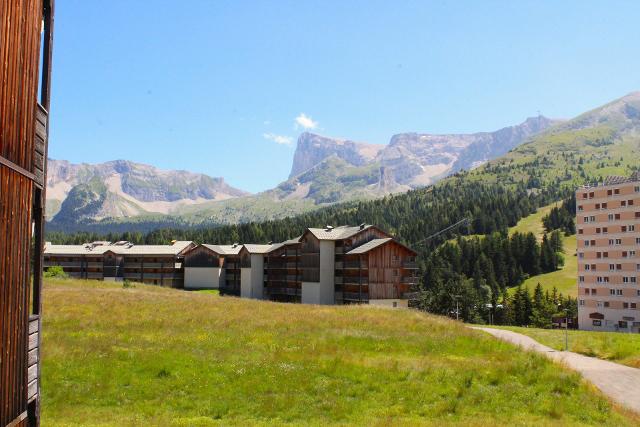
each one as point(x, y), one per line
point(337, 233)
point(100, 249)
point(261, 249)
point(371, 244)
point(224, 249)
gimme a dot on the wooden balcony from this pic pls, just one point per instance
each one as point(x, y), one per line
point(409, 280)
point(33, 355)
point(410, 265)
point(283, 291)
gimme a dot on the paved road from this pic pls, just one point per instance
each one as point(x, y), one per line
point(620, 383)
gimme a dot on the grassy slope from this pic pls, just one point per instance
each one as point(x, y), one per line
point(614, 346)
point(153, 356)
point(565, 278)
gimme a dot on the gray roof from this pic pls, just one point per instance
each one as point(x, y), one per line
point(224, 249)
point(337, 233)
point(99, 248)
point(261, 249)
point(371, 244)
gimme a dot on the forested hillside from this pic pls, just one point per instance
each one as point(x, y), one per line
point(493, 197)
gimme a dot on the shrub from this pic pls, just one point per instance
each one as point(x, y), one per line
point(56, 272)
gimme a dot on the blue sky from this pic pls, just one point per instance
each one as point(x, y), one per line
point(226, 87)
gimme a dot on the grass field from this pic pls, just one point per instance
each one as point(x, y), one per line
point(614, 346)
point(152, 356)
point(565, 279)
point(533, 222)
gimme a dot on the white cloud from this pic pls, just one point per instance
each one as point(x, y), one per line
point(306, 122)
point(278, 139)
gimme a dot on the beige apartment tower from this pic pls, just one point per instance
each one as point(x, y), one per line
point(608, 226)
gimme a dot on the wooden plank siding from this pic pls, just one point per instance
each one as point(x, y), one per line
point(23, 152)
point(387, 270)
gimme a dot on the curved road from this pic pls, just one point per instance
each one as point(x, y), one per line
point(620, 383)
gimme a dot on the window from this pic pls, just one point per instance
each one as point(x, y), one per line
point(626, 279)
point(587, 242)
point(637, 240)
point(622, 324)
point(598, 255)
point(600, 279)
point(637, 267)
point(597, 322)
point(623, 228)
point(580, 231)
point(605, 254)
point(593, 243)
point(630, 202)
point(623, 203)
point(636, 189)
point(616, 191)
point(587, 291)
point(612, 291)
point(617, 216)
point(594, 291)
point(618, 266)
point(592, 218)
point(610, 217)
point(610, 241)
point(625, 305)
point(624, 254)
point(581, 279)
point(609, 192)
point(585, 219)
point(632, 227)
point(598, 230)
point(593, 267)
point(619, 292)
point(612, 267)
point(632, 254)
point(597, 205)
point(637, 214)
point(605, 230)
point(604, 206)
point(584, 195)
point(581, 255)
point(592, 195)
point(633, 306)
point(580, 208)
point(606, 304)
point(618, 241)
point(587, 267)
point(633, 279)
point(581, 302)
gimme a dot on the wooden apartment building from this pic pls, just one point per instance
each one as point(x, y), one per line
point(26, 39)
point(340, 265)
point(153, 264)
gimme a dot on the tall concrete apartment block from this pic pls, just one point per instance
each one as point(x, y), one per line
point(608, 224)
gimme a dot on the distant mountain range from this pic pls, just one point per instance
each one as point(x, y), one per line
point(324, 171)
point(80, 192)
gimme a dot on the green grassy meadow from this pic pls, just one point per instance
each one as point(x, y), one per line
point(614, 346)
point(565, 279)
point(152, 356)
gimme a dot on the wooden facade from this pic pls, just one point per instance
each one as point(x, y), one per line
point(26, 35)
point(282, 274)
point(155, 265)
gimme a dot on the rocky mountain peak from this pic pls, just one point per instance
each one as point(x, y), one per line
point(312, 149)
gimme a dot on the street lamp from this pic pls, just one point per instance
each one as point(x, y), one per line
point(457, 309)
point(566, 329)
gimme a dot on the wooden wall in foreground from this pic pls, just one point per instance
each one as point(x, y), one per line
point(23, 135)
